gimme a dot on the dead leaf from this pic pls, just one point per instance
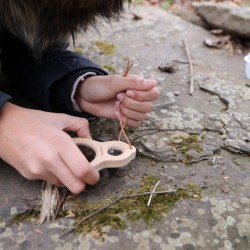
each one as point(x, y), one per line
point(38, 231)
point(95, 234)
point(70, 214)
point(168, 68)
point(137, 17)
point(226, 177)
point(217, 43)
point(217, 31)
point(225, 189)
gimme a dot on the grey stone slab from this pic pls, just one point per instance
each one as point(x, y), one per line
point(218, 113)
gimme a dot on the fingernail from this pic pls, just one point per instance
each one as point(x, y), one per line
point(148, 83)
point(120, 97)
point(130, 93)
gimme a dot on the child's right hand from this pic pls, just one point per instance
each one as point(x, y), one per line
point(101, 96)
point(35, 144)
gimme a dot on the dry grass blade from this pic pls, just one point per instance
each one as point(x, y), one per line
point(151, 196)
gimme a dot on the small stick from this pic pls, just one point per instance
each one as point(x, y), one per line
point(61, 203)
point(151, 196)
point(190, 67)
point(129, 66)
point(112, 202)
point(122, 131)
point(120, 134)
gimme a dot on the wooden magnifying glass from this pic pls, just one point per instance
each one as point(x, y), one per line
point(110, 154)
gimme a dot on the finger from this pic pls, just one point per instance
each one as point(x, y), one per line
point(53, 180)
point(131, 114)
point(39, 173)
point(142, 96)
point(62, 172)
point(132, 104)
point(77, 163)
point(129, 122)
point(77, 125)
point(138, 83)
point(118, 83)
point(133, 123)
point(33, 170)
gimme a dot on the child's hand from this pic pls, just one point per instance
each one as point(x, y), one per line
point(101, 96)
point(35, 144)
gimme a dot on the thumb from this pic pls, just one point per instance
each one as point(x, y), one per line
point(78, 125)
point(117, 84)
point(133, 82)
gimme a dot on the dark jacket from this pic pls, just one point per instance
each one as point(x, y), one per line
point(48, 81)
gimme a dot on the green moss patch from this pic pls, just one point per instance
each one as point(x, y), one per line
point(185, 144)
point(105, 47)
point(110, 68)
point(27, 216)
point(119, 214)
point(130, 209)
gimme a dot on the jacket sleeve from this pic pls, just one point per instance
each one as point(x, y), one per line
point(47, 80)
point(3, 99)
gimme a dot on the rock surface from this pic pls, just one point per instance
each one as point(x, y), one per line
point(189, 15)
point(215, 118)
point(232, 19)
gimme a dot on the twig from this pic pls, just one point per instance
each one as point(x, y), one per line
point(114, 201)
point(122, 128)
point(190, 61)
point(151, 196)
point(122, 131)
point(179, 61)
point(61, 203)
point(129, 66)
point(30, 199)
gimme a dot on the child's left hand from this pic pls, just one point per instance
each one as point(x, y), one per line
point(102, 95)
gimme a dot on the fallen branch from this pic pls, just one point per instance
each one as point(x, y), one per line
point(114, 201)
point(190, 62)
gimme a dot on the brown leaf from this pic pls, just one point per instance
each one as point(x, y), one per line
point(70, 214)
point(225, 189)
point(137, 17)
point(168, 68)
point(217, 43)
point(217, 31)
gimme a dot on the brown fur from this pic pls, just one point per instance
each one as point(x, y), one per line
point(41, 23)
